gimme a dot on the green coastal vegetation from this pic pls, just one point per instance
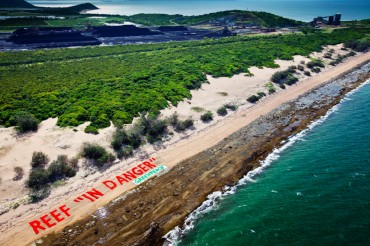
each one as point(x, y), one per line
point(42, 175)
point(261, 19)
point(117, 83)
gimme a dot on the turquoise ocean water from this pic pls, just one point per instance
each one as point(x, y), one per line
point(303, 10)
point(314, 192)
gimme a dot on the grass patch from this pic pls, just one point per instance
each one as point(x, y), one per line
point(198, 109)
point(224, 94)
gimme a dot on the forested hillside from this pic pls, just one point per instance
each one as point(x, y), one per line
point(262, 19)
point(116, 83)
point(252, 17)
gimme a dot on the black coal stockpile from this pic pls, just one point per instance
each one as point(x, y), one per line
point(122, 31)
point(50, 35)
point(172, 29)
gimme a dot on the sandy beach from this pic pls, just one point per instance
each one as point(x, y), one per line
point(17, 151)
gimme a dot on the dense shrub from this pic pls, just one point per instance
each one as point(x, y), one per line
point(316, 70)
point(91, 129)
point(261, 94)
point(118, 138)
point(315, 63)
point(97, 154)
point(282, 86)
point(270, 88)
point(327, 55)
point(102, 121)
point(291, 80)
point(122, 137)
point(357, 45)
point(38, 178)
point(73, 116)
point(352, 53)
point(79, 85)
point(59, 169)
point(174, 119)
point(134, 138)
point(189, 122)
point(253, 99)
point(222, 111)
point(231, 106)
point(93, 151)
point(279, 77)
point(206, 117)
point(300, 68)
point(151, 127)
point(156, 130)
point(39, 159)
point(25, 122)
point(291, 69)
point(183, 125)
point(307, 73)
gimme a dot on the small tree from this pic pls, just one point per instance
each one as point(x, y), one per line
point(291, 69)
point(327, 55)
point(38, 179)
point(206, 117)
point(253, 99)
point(222, 111)
point(156, 130)
point(231, 106)
point(291, 80)
point(174, 119)
point(183, 125)
point(96, 153)
point(25, 122)
point(59, 169)
point(39, 159)
point(261, 94)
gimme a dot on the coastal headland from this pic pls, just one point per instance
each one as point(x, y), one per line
point(212, 159)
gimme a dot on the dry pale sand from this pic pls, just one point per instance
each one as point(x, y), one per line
point(53, 141)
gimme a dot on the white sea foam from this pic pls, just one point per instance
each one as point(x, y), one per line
point(173, 237)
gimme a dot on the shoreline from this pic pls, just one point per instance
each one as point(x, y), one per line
point(162, 203)
point(214, 199)
point(171, 157)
